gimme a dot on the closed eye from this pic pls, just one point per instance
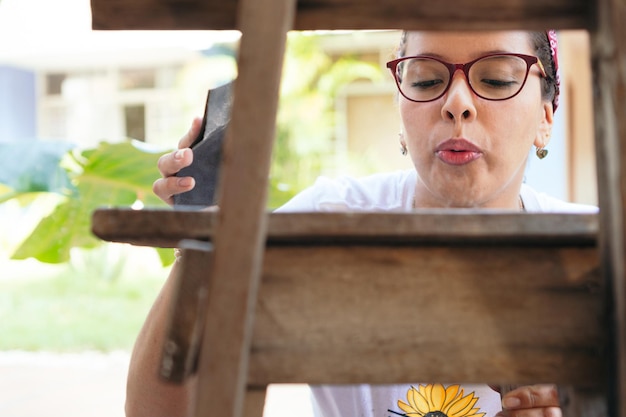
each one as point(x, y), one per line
point(426, 84)
point(498, 83)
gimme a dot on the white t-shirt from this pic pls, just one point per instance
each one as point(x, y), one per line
point(452, 400)
point(394, 192)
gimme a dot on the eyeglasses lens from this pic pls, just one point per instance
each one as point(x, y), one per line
point(496, 77)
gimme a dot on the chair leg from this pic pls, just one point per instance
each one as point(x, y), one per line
point(581, 403)
point(254, 402)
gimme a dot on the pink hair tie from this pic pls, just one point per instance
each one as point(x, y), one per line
point(554, 47)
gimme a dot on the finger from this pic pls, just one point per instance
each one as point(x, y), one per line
point(191, 135)
point(531, 396)
point(170, 163)
point(532, 412)
point(166, 188)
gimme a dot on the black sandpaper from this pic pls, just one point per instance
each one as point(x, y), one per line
point(207, 150)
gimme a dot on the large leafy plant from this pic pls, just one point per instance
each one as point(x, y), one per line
point(118, 174)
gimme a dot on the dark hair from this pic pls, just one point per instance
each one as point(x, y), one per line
point(540, 44)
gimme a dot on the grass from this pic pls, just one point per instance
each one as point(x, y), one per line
point(96, 302)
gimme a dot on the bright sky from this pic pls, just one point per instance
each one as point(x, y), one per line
point(35, 30)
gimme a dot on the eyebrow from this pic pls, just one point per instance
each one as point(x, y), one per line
point(443, 58)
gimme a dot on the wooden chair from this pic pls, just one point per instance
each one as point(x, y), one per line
point(308, 297)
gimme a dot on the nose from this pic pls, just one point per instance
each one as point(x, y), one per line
point(459, 100)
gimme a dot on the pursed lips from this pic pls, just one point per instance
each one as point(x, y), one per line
point(457, 152)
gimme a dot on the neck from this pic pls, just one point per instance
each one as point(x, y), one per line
point(425, 200)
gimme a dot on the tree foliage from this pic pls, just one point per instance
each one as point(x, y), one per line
point(305, 138)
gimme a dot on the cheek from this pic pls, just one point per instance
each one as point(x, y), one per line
point(524, 127)
point(405, 113)
point(514, 122)
point(415, 116)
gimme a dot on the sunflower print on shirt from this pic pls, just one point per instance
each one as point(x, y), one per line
point(435, 400)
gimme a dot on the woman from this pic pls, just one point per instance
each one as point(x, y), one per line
point(472, 106)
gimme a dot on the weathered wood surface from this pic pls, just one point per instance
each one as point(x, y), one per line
point(165, 228)
point(242, 193)
point(184, 329)
point(351, 14)
point(468, 308)
point(254, 403)
point(609, 66)
point(377, 314)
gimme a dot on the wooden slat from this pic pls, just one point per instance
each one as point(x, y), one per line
point(382, 315)
point(608, 57)
point(255, 401)
point(546, 293)
point(186, 316)
point(165, 228)
point(150, 227)
point(442, 15)
point(240, 226)
point(351, 14)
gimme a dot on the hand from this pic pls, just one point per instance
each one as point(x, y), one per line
point(531, 401)
point(169, 164)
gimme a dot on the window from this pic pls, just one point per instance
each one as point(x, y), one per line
point(133, 79)
point(135, 119)
point(54, 84)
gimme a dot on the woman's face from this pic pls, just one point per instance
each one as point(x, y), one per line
point(468, 151)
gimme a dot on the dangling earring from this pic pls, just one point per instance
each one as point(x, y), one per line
point(541, 153)
point(403, 149)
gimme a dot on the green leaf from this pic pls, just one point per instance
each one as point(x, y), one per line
point(166, 255)
point(111, 175)
point(120, 166)
point(66, 227)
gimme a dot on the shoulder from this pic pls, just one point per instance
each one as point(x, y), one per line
point(381, 191)
point(535, 201)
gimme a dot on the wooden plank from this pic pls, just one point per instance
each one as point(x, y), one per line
point(450, 15)
point(550, 303)
point(546, 292)
point(186, 316)
point(351, 14)
point(504, 315)
point(160, 227)
point(608, 57)
point(240, 226)
point(150, 227)
point(164, 14)
point(255, 401)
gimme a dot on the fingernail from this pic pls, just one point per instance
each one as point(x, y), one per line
point(179, 154)
point(184, 182)
point(511, 402)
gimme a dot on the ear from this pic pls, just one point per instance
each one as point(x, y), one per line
point(544, 131)
point(401, 137)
